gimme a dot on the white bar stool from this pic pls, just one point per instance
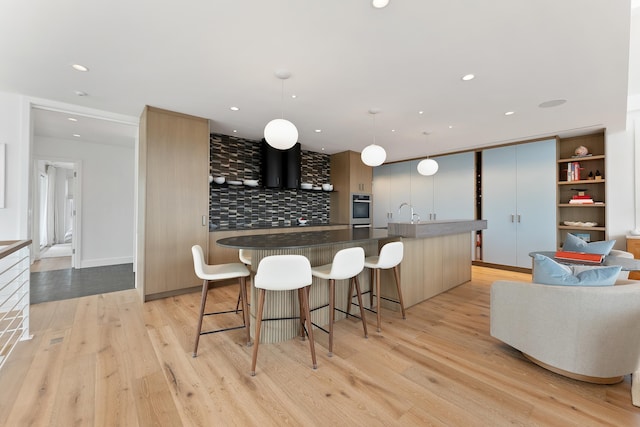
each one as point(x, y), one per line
point(245, 258)
point(390, 256)
point(347, 264)
point(211, 273)
point(284, 273)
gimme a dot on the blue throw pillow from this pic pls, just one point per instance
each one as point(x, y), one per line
point(548, 272)
point(576, 244)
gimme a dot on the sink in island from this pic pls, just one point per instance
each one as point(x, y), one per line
point(437, 257)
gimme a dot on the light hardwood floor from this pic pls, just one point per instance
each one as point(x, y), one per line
point(109, 360)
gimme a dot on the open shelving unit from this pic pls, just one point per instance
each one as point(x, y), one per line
point(566, 189)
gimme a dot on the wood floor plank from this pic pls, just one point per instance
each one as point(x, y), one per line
point(108, 360)
point(75, 397)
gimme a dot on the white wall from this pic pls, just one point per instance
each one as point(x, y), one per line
point(14, 217)
point(622, 192)
point(106, 195)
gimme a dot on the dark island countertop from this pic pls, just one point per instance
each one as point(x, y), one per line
point(302, 239)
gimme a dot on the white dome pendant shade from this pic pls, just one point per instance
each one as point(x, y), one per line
point(373, 155)
point(427, 167)
point(281, 134)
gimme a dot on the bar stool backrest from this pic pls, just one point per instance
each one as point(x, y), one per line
point(283, 273)
point(198, 261)
point(347, 263)
point(391, 255)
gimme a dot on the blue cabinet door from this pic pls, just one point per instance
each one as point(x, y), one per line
point(518, 202)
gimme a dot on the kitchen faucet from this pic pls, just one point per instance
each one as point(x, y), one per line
point(410, 207)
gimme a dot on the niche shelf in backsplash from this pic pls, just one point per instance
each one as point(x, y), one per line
point(253, 207)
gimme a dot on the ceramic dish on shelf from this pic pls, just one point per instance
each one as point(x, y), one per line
point(580, 224)
point(250, 182)
point(317, 188)
point(234, 182)
point(306, 186)
point(219, 179)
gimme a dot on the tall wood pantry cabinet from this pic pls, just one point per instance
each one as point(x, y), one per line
point(173, 200)
point(518, 202)
point(348, 175)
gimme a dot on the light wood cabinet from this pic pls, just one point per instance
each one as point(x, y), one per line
point(633, 246)
point(348, 175)
point(173, 200)
point(571, 215)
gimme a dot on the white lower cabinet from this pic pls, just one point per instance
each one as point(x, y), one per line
point(518, 202)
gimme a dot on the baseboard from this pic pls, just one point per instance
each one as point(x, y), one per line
point(88, 263)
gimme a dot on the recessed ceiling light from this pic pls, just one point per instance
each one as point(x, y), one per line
point(509, 113)
point(393, 130)
point(318, 130)
point(79, 67)
point(233, 108)
point(235, 131)
point(552, 103)
point(76, 135)
point(81, 93)
point(420, 112)
point(379, 4)
point(294, 96)
point(450, 126)
point(72, 119)
point(468, 77)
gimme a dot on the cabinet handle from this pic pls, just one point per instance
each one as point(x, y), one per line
point(434, 217)
point(518, 217)
point(513, 217)
point(204, 220)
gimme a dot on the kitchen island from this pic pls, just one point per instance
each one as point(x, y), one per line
point(431, 265)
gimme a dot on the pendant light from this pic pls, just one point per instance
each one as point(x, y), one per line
point(427, 167)
point(281, 133)
point(373, 155)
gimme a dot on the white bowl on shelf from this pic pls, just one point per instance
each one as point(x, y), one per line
point(306, 186)
point(250, 182)
point(302, 221)
point(327, 187)
point(234, 182)
point(218, 180)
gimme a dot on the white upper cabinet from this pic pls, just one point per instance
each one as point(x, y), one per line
point(518, 202)
point(449, 194)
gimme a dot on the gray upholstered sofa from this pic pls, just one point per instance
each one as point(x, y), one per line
point(588, 333)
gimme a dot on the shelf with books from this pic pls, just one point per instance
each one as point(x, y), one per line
point(581, 189)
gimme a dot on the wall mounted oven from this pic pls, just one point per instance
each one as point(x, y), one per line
point(361, 210)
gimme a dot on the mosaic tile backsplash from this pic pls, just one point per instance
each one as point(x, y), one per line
point(232, 207)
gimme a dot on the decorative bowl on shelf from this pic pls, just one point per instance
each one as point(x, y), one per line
point(317, 188)
point(251, 182)
point(218, 180)
point(234, 182)
point(306, 186)
point(327, 187)
point(580, 224)
point(302, 221)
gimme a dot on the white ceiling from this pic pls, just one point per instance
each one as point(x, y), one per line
point(203, 56)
